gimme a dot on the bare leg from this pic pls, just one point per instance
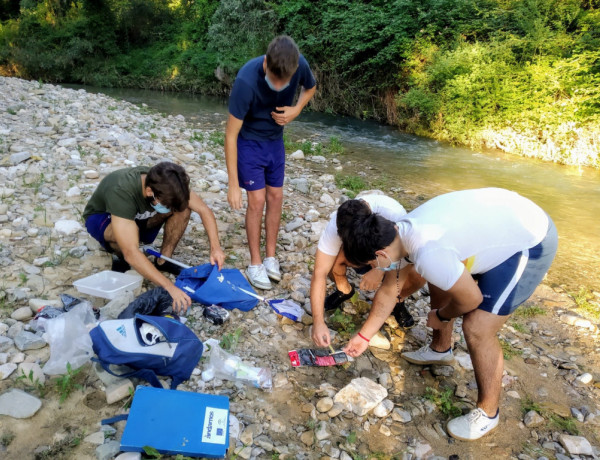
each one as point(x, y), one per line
point(254, 214)
point(481, 329)
point(274, 198)
point(111, 240)
point(442, 338)
point(413, 283)
point(174, 228)
point(338, 273)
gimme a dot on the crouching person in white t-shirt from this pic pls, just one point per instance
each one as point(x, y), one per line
point(483, 253)
point(331, 261)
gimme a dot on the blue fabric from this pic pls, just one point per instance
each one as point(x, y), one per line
point(96, 226)
point(252, 100)
point(260, 163)
point(148, 365)
point(209, 286)
point(496, 281)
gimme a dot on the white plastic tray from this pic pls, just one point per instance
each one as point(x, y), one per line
point(108, 284)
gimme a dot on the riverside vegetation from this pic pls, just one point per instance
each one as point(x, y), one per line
point(522, 76)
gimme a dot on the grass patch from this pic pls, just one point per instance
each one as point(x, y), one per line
point(519, 327)
point(584, 300)
point(6, 438)
point(67, 383)
point(230, 340)
point(343, 323)
point(197, 136)
point(354, 184)
point(443, 400)
point(529, 311)
point(567, 424)
point(508, 351)
point(217, 137)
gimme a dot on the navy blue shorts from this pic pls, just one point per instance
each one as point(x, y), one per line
point(260, 163)
point(511, 283)
point(96, 225)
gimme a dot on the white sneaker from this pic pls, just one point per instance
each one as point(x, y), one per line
point(257, 275)
point(272, 266)
point(425, 355)
point(472, 426)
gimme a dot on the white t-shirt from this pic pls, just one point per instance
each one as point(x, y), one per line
point(477, 229)
point(330, 242)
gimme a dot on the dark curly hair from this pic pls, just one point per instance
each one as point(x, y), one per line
point(366, 235)
point(170, 184)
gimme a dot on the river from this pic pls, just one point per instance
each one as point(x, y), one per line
point(570, 195)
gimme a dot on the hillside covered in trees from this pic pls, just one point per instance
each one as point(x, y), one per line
point(519, 75)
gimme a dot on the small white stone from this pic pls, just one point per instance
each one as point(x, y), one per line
point(95, 438)
point(297, 155)
point(67, 227)
point(324, 405)
point(91, 174)
point(22, 314)
point(384, 430)
point(586, 378)
point(118, 391)
point(6, 370)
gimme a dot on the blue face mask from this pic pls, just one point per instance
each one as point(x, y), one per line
point(397, 265)
point(273, 87)
point(160, 208)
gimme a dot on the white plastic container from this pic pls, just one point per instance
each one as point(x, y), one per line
point(108, 284)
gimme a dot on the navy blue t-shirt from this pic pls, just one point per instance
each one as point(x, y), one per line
point(252, 100)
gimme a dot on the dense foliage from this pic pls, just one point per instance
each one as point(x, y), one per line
point(520, 75)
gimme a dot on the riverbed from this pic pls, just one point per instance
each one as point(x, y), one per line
point(570, 195)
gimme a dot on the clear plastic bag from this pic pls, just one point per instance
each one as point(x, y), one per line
point(69, 339)
point(226, 366)
point(287, 308)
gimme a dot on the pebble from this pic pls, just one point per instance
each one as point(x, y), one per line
point(360, 395)
point(129, 456)
point(322, 431)
point(400, 415)
point(585, 379)
point(28, 341)
point(108, 451)
point(576, 445)
point(6, 370)
point(533, 419)
point(95, 438)
point(22, 314)
point(118, 391)
point(18, 404)
point(383, 409)
point(325, 404)
point(308, 438)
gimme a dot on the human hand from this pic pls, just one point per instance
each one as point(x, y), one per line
point(356, 346)
point(181, 301)
point(284, 115)
point(320, 334)
point(217, 256)
point(371, 280)
point(234, 196)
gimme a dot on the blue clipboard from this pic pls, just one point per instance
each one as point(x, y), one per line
point(177, 422)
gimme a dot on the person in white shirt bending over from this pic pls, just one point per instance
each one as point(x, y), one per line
point(483, 252)
point(331, 261)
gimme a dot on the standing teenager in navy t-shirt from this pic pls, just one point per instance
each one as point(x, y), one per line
point(260, 105)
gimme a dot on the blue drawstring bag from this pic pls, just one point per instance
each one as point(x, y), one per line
point(209, 286)
point(173, 351)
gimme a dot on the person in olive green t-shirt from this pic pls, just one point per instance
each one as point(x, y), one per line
point(131, 205)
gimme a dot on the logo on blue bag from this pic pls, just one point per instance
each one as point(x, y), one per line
point(221, 278)
point(121, 330)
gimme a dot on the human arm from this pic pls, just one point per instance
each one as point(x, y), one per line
point(371, 280)
point(323, 265)
point(217, 256)
point(383, 305)
point(464, 296)
point(232, 131)
point(126, 234)
point(286, 114)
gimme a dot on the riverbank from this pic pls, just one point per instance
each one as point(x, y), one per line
point(58, 143)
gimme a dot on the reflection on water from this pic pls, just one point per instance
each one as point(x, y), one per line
point(571, 196)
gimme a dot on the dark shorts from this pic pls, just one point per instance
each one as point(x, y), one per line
point(260, 163)
point(511, 283)
point(96, 225)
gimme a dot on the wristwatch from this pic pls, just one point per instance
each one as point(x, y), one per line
point(443, 320)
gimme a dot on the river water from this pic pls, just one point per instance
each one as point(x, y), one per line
point(570, 195)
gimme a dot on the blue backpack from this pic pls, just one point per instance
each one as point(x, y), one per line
point(175, 354)
point(209, 286)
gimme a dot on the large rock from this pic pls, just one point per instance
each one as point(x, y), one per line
point(360, 395)
point(28, 341)
point(18, 404)
point(67, 227)
point(576, 445)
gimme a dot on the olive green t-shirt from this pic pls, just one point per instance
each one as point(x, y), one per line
point(120, 194)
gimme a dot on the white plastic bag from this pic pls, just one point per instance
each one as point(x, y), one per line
point(69, 339)
point(226, 366)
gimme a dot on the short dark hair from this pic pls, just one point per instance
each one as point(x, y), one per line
point(170, 184)
point(283, 56)
point(368, 235)
point(348, 212)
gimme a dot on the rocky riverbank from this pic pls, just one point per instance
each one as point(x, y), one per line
point(55, 146)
